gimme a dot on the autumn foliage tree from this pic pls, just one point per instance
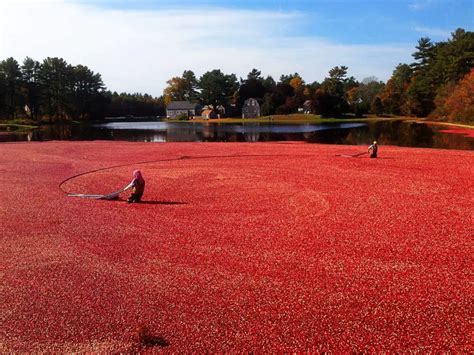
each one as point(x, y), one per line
point(456, 102)
point(442, 64)
point(422, 88)
point(362, 95)
point(394, 95)
point(181, 88)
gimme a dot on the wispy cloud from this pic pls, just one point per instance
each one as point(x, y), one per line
point(433, 32)
point(139, 50)
point(418, 5)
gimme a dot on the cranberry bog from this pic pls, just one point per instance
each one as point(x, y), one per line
point(263, 247)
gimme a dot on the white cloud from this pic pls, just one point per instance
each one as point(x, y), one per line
point(138, 51)
point(418, 5)
point(433, 32)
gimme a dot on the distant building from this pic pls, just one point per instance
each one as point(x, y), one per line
point(220, 111)
point(307, 107)
point(179, 108)
point(208, 113)
point(250, 109)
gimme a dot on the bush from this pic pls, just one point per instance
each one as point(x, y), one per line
point(146, 339)
point(182, 117)
point(455, 102)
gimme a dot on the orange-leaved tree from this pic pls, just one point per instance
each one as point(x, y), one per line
point(456, 102)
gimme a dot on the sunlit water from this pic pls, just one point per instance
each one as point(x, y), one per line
point(400, 133)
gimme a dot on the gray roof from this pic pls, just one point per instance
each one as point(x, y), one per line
point(181, 105)
point(248, 102)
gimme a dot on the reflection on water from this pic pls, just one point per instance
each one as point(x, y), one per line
point(396, 132)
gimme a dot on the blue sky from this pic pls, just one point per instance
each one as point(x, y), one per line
point(138, 45)
point(348, 21)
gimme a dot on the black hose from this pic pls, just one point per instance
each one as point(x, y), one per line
point(152, 161)
point(111, 167)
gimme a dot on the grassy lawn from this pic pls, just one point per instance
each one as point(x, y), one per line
point(15, 127)
point(452, 124)
point(292, 118)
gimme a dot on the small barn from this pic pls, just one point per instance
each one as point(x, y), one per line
point(180, 108)
point(308, 107)
point(250, 109)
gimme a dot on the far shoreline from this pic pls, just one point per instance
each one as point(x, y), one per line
point(27, 124)
point(300, 119)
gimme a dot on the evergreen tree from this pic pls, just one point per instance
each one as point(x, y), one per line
point(332, 93)
point(55, 80)
point(11, 77)
point(217, 88)
point(31, 87)
point(437, 66)
point(252, 87)
point(86, 96)
point(423, 55)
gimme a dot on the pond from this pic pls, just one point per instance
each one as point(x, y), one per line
point(390, 132)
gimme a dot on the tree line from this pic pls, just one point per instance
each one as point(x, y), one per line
point(439, 84)
point(53, 90)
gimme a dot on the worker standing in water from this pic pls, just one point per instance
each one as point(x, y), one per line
point(372, 150)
